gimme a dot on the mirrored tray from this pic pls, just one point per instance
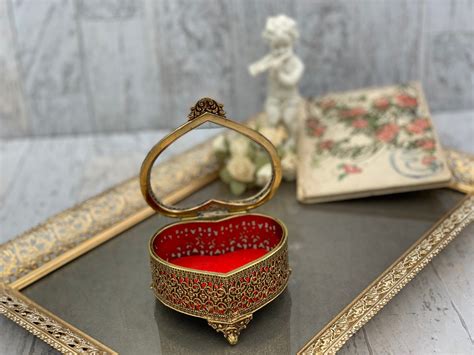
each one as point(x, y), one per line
point(348, 260)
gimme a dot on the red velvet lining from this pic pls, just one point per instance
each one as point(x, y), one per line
point(219, 246)
point(220, 263)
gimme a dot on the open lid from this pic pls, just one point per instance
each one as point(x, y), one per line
point(208, 110)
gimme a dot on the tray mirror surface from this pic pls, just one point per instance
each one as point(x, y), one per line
point(336, 250)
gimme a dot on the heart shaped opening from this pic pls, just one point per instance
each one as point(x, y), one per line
point(218, 246)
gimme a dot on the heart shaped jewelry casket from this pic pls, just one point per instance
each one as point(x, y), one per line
point(220, 262)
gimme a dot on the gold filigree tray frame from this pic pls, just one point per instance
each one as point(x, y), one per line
point(74, 232)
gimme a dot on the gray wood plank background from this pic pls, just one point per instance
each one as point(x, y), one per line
point(85, 66)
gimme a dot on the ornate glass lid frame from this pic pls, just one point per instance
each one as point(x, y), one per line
point(38, 252)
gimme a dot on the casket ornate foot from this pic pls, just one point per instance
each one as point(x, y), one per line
point(231, 330)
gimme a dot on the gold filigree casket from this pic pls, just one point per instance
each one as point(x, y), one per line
point(220, 262)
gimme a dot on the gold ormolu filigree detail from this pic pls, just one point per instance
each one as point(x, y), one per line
point(231, 330)
point(204, 105)
point(220, 298)
point(386, 286)
point(52, 330)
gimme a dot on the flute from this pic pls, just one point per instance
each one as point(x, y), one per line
point(267, 62)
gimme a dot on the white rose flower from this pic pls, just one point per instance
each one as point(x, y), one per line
point(275, 135)
point(288, 166)
point(264, 174)
point(241, 168)
point(219, 144)
point(239, 146)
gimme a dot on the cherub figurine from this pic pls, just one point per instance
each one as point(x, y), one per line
point(285, 70)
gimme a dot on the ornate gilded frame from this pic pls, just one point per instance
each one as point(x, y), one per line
point(39, 251)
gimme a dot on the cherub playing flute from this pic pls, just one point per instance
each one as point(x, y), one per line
point(284, 72)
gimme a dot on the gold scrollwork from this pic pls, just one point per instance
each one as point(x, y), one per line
point(226, 301)
point(204, 105)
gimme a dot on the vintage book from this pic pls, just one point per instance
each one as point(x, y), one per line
point(368, 142)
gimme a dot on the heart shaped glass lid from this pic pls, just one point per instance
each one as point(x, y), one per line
point(208, 110)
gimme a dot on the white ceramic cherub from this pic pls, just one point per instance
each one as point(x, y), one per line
point(284, 72)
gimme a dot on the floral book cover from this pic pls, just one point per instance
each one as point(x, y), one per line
point(368, 142)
